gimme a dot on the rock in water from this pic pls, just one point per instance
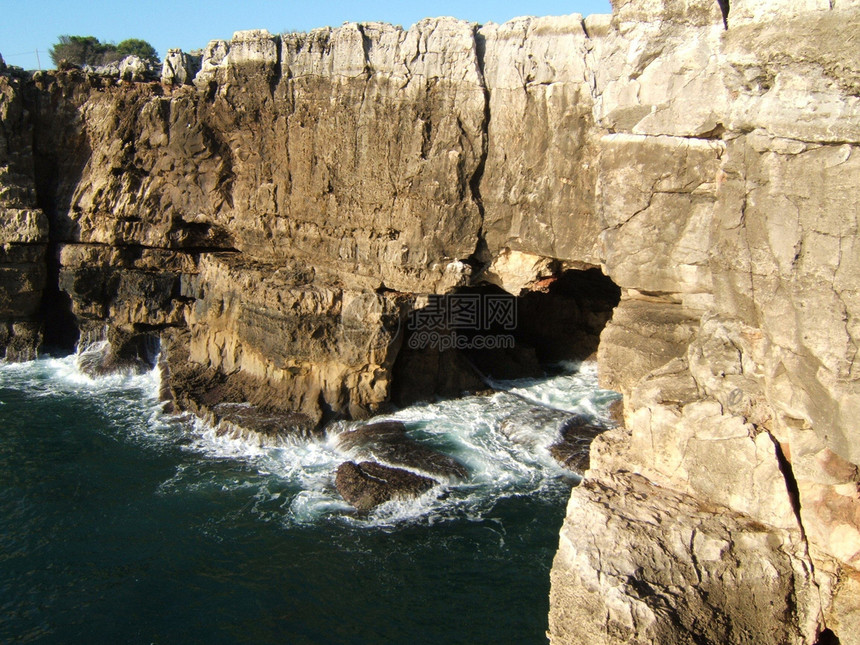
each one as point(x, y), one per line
point(369, 484)
point(531, 426)
point(266, 428)
point(571, 451)
point(575, 434)
point(381, 431)
point(387, 441)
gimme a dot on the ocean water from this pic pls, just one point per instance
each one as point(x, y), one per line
point(122, 524)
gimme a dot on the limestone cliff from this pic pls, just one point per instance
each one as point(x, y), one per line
point(727, 188)
point(273, 217)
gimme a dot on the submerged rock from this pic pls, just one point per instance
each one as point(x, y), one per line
point(369, 484)
point(574, 434)
point(387, 441)
point(529, 427)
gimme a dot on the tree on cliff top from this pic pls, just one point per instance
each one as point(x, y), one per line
point(88, 50)
point(80, 50)
point(139, 48)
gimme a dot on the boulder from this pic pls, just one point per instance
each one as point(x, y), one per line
point(179, 68)
point(133, 68)
point(387, 441)
point(369, 484)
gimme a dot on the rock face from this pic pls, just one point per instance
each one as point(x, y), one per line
point(654, 566)
point(275, 219)
point(23, 229)
point(734, 342)
point(179, 68)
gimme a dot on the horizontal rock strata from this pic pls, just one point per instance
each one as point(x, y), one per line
point(275, 216)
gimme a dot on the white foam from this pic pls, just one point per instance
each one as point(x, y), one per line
point(500, 464)
point(47, 376)
point(294, 482)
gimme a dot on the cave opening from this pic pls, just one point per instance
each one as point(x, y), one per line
point(60, 155)
point(827, 637)
point(462, 341)
point(59, 326)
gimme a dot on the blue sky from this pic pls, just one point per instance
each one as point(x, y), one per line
point(28, 26)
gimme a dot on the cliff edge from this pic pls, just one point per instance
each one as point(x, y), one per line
point(274, 211)
point(726, 509)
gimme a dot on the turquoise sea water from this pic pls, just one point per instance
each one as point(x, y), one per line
point(120, 524)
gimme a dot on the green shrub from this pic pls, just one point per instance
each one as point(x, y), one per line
point(89, 50)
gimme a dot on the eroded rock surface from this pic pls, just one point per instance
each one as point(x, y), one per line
point(734, 342)
point(638, 563)
point(275, 218)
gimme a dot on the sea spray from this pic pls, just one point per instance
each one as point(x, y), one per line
point(468, 429)
point(476, 430)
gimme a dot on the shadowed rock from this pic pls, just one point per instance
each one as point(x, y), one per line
point(572, 450)
point(387, 441)
point(724, 9)
point(369, 484)
point(382, 431)
point(249, 422)
point(122, 353)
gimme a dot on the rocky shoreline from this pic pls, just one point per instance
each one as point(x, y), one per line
point(685, 193)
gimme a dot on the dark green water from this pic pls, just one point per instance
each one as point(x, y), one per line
point(118, 526)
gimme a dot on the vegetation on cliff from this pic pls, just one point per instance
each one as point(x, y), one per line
point(89, 50)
